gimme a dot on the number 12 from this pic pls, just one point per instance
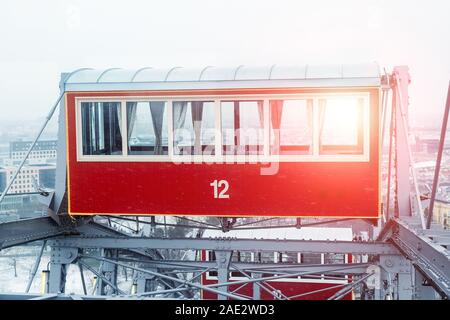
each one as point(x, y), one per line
point(219, 184)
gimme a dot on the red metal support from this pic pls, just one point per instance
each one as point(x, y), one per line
point(401, 81)
point(439, 158)
point(389, 173)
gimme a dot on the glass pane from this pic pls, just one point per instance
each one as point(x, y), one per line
point(193, 124)
point(242, 127)
point(236, 274)
point(340, 126)
point(311, 258)
point(335, 258)
point(289, 257)
point(147, 128)
point(236, 256)
point(101, 128)
point(266, 257)
point(246, 256)
point(242, 256)
point(332, 258)
point(291, 126)
point(211, 256)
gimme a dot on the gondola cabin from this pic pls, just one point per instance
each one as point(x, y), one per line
point(299, 287)
point(271, 141)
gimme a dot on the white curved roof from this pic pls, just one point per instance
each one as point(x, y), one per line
point(222, 77)
point(304, 233)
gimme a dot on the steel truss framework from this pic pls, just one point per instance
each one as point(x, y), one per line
point(409, 260)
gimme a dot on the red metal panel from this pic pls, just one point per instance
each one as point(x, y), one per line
point(327, 189)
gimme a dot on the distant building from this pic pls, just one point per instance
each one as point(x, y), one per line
point(42, 175)
point(441, 213)
point(44, 151)
point(427, 145)
point(21, 206)
point(2, 180)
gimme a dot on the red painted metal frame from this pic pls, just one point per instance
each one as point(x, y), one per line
point(299, 189)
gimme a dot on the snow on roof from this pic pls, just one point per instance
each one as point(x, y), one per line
point(209, 77)
point(305, 233)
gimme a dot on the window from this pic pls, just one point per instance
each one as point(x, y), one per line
point(236, 257)
point(101, 128)
point(265, 257)
point(288, 257)
point(241, 256)
point(194, 127)
point(211, 256)
point(242, 127)
point(341, 126)
point(291, 126)
point(147, 128)
point(245, 256)
point(311, 258)
point(334, 258)
point(327, 127)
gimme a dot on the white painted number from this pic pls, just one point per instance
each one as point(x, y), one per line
point(217, 185)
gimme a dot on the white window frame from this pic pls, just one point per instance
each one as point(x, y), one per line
point(296, 280)
point(218, 157)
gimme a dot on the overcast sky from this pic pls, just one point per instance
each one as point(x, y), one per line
point(41, 39)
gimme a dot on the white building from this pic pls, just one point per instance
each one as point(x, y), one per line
point(29, 177)
point(43, 152)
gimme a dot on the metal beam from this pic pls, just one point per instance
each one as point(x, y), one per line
point(57, 277)
point(223, 260)
point(338, 269)
point(283, 276)
point(163, 276)
point(263, 285)
point(306, 246)
point(401, 79)
point(432, 259)
point(36, 266)
point(200, 273)
point(165, 291)
point(101, 276)
point(83, 282)
point(59, 296)
point(95, 229)
point(23, 231)
point(182, 265)
point(108, 271)
point(341, 293)
point(203, 266)
point(49, 296)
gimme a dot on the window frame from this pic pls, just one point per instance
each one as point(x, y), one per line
point(222, 145)
point(198, 158)
point(212, 275)
point(333, 149)
point(80, 128)
point(219, 157)
point(313, 129)
point(125, 125)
